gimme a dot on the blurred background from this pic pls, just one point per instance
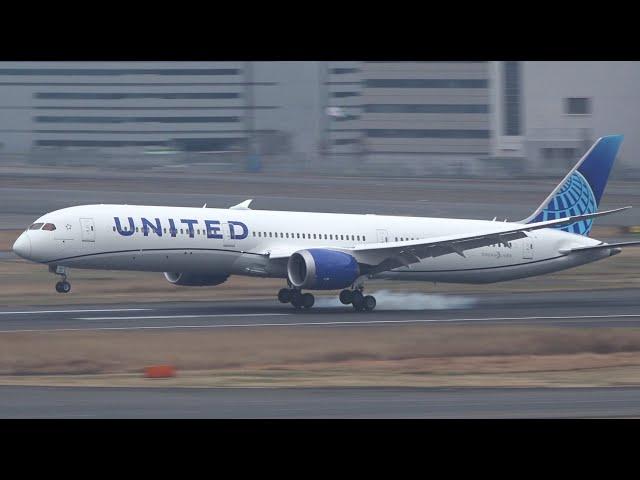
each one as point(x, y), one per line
point(459, 118)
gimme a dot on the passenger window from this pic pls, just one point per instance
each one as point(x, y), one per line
point(298, 235)
point(49, 226)
point(314, 236)
point(270, 234)
point(165, 229)
point(114, 229)
point(358, 237)
point(364, 239)
point(352, 237)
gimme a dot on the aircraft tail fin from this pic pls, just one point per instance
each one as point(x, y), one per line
point(581, 189)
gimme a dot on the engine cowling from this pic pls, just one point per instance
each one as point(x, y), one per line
point(322, 269)
point(194, 279)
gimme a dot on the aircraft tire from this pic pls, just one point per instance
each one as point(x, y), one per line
point(63, 287)
point(296, 300)
point(358, 300)
point(308, 300)
point(369, 303)
point(285, 295)
point(346, 297)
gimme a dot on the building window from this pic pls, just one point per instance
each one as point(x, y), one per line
point(426, 83)
point(511, 97)
point(345, 94)
point(342, 71)
point(577, 106)
point(429, 108)
point(135, 95)
point(424, 133)
point(559, 153)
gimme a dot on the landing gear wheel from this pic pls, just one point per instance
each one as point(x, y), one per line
point(63, 287)
point(308, 300)
point(369, 303)
point(296, 300)
point(346, 297)
point(357, 301)
point(284, 295)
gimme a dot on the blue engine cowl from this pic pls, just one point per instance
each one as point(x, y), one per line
point(321, 269)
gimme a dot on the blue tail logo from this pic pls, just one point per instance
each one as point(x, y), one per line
point(581, 190)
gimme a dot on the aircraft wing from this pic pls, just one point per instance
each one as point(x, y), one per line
point(389, 255)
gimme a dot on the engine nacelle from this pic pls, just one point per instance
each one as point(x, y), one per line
point(194, 279)
point(321, 269)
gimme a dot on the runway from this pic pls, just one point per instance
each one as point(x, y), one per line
point(269, 403)
point(602, 308)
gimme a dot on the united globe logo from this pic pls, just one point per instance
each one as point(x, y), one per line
point(575, 197)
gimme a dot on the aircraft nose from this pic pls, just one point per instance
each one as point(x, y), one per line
point(22, 246)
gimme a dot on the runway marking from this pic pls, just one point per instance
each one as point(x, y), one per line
point(155, 317)
point(77, 311)
point(311, 324)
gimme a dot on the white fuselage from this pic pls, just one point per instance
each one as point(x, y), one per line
point(237, 242)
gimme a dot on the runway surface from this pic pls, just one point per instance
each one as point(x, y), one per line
point(603, 308)
point(74, 402)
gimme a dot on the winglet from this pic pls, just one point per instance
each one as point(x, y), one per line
point(242, 206)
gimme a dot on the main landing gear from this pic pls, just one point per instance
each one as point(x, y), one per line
point(359, 301)
point(297, 299)
point(63, 286)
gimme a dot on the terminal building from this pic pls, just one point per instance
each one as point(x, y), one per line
point(440, 116)
point(423, 118)
point(127, 106)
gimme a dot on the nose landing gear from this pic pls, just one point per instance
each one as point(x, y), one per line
point(63, 286)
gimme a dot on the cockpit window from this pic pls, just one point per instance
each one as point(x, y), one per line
point(49, 226)
point(36, 226)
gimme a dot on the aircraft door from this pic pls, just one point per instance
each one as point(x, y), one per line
point(227, 241)
point(382, 236)
point(527, 248)
point(87, 229)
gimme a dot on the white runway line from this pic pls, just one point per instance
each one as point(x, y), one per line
point(204, 315)
point(77, 311)
point(312, 324)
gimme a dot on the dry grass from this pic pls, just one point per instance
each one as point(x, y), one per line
point(289, 356)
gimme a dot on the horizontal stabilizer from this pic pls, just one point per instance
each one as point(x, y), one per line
point(602, 246)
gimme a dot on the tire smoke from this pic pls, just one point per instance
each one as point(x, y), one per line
point(388, 300)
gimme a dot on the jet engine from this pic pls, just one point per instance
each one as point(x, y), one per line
point(194, 279)
point(322, 269)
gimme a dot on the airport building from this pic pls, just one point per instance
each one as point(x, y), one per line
point(393, 117)
point(439, 117)
point(129, 106)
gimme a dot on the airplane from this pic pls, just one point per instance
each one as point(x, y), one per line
point(327, 251)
